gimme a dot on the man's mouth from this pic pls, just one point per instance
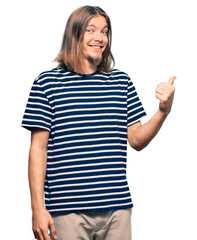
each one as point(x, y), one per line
point(96, 46)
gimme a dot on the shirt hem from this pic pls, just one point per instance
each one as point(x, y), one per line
point(29, 127)
point(58, 212)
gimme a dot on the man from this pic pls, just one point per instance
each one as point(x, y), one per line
point(81, 114)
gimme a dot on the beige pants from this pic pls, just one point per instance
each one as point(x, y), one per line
point(100, 225)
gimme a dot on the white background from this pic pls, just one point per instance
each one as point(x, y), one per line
point(152, 41)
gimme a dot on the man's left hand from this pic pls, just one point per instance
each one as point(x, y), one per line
point(165, 93)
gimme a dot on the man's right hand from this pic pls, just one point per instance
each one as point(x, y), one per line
point(41, 222)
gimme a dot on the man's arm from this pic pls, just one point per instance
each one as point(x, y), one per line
point(139, 136)
point(41, 219)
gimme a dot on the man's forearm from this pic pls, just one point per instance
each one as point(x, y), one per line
point(146, 132)
point(37, 172)
point(140, 136)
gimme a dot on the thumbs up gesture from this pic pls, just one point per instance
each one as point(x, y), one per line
point(165, 93)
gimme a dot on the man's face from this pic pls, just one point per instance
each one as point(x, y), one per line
point(95, 39)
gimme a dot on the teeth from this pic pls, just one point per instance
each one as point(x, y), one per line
point(96, 46)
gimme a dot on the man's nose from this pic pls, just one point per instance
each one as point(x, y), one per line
point(98, 36)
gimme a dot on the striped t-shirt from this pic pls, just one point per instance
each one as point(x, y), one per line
point(87, 116)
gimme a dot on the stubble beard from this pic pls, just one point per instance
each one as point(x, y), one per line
point(94, 61)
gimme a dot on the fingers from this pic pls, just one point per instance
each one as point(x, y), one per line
point(42, 221)
point(165, 86)
point(53, 230)
point(38, 234)
point(171, 80)
point(160, 97)
point(45, 235)
point(165, 94)
point(41, 234)
point(160, 90)
point(166, 89)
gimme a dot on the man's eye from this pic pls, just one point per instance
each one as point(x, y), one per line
point(105, 32)
point(89, 30)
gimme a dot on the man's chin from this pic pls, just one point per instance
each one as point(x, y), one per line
point(94, 60)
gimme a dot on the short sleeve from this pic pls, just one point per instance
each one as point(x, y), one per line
point(38, 112)
point(135, 110)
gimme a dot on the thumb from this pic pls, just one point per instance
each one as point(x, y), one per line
point(171, 80)
point(53, 230)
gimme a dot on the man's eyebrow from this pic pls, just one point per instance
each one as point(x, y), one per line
point(92, 25)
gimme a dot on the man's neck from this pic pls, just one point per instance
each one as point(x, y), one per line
point(89, 68)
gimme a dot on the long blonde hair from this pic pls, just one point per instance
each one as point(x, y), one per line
point(70, 55)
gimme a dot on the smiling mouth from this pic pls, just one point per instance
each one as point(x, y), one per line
point(96, 46)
